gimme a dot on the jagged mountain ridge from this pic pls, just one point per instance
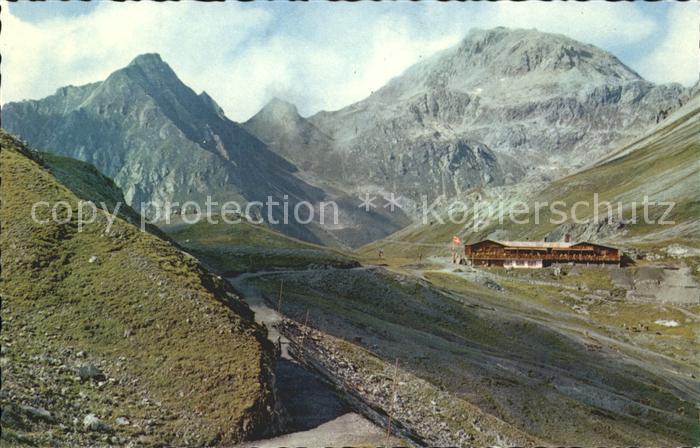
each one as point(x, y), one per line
point(429, 163)
point(504, 103)
point(145, 106)
point(445, 126)
point(161, 142)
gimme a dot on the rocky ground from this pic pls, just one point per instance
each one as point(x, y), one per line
point(413, 408)
point(62, 396)
point(349, 430)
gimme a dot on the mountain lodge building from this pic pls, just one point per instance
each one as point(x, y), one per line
point(537, 254)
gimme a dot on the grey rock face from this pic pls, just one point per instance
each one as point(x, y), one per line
point(502, 105)
point(280, 126)
point(162, 143)
point(383, 160)
point(154, 136)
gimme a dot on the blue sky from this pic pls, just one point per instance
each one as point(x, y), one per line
point(319, 55)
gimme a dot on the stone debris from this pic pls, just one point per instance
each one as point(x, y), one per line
point(679, 251)
point(37, 413)
point(122, 421)
point(92, 423)
point(426, 422)
point(90, 372)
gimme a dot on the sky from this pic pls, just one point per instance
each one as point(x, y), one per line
point(318, 55)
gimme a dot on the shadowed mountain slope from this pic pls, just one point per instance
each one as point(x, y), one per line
point(152, 134)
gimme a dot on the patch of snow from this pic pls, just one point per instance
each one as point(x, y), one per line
point(667, 323)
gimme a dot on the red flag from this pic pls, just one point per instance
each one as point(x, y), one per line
point(456, 240)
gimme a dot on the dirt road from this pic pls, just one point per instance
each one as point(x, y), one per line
point(313, 414)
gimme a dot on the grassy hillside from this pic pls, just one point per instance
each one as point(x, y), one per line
point(247, 247)
point(86, 182)
point(662, 165)
point(119, 324)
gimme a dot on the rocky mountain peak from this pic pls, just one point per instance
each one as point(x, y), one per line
point(148, 83)
point(524, 94)
point(148, 61)
point(279, 108)
point(515, 52)
point(150, 70)
point(278, 114)
point(509, 64)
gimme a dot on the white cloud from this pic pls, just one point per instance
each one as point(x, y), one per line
point(39, 58)
point(339, 62)
point(234, 52)
point(318, 55)
point(599, 23)
point(677, 57)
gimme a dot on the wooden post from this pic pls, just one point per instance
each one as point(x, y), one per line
point(303, 334)
point(393, 401)
point(279, 299)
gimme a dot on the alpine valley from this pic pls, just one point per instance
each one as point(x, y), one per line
point(360, 331)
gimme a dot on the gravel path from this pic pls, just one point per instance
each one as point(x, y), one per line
point(314, 415)
point(347, 430)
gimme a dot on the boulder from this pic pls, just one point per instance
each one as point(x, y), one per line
point(92, 423)
point(89, 372)
point(38, 414)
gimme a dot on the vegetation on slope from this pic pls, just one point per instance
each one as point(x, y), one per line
point(86, 182)
point(588, 298)
point(167, 353)
point(246, 247)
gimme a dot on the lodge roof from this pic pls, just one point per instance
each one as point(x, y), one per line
point(540, 244)
point(529, 244)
